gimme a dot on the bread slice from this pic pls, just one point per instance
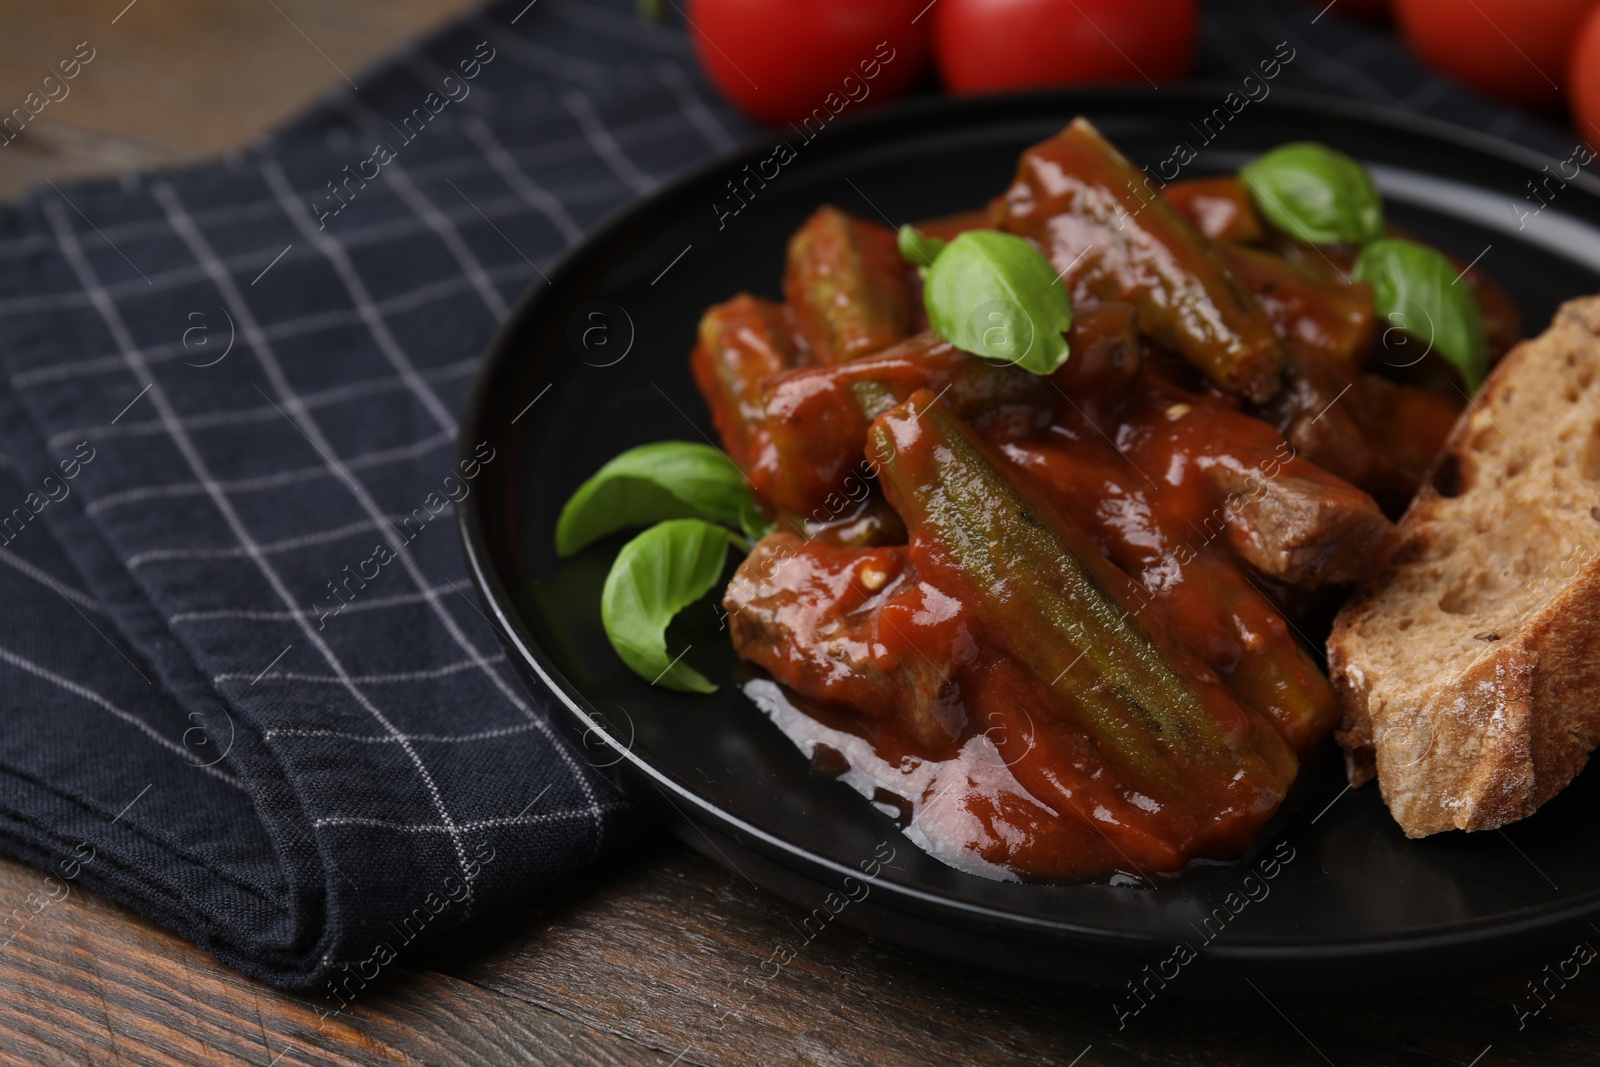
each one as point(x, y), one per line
point(1469, 671)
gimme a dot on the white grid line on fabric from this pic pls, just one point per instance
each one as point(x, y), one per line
point(506, 207)
point(212, 420)
point(271, 481)
point(538, 57)
point(482, 735)
point(268, 548)
point(605, 143)
point(363, 679)
point(622, 28)
point(201, 250)
point(518, 180)
point(83, 691)
point(1365, 51)
point(339, 259)
point(1218, 38)
point(23, 567)
point(31, 244)
point(446, 230)
point(421, 206)
point(255, 615)
point(644, 131)
point(434, 828)
point(1326, 68)
point(286, 329)
point(112, 316)
point(694, 108)
point(428, 70)
point(357, 292)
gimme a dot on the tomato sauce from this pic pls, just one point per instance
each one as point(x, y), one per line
point(1207, 457)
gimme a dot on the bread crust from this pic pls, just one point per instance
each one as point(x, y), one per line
point(1468, 673)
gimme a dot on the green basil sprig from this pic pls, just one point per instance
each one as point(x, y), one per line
point(1320, 196)
point(1419, 291)
point(696, 498)
point(919, 248)
point(994, 295)
point(656, 575)
point(665, 480)
point(1315, 194)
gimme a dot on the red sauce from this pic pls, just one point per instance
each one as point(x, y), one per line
point(1205, 457)
point(882, 648)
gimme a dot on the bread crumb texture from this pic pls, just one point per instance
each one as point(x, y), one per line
point(1468, 670)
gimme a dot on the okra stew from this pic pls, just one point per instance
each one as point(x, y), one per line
point(1038, 503)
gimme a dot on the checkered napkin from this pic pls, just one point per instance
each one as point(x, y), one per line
point(245, 687)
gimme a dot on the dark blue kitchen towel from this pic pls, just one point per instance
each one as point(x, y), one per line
point(245, 687)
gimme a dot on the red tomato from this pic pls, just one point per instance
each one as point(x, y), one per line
point(1583, 79)
point(983, 45)
point(780, 60)
point(1513, 49)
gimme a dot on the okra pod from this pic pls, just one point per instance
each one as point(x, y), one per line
point(741, 344)
point(849, 287)
point(1333, 318)
point(817, 417)
point(1035, 583)
point(1197, 586)
point(1221, 208)
point(1106, 226)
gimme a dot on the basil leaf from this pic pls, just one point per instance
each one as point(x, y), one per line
point(1417, 290)
point(1315, 194)
point(754, 524)
point(919, 248)
point(656, 575)
point(996, 295)
point(665, 480)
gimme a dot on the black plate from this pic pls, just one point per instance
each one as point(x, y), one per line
point(602, 353)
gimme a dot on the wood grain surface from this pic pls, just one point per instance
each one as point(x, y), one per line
point(658, 959)
point(177, 80)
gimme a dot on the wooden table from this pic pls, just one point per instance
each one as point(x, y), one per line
point(635, 964)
